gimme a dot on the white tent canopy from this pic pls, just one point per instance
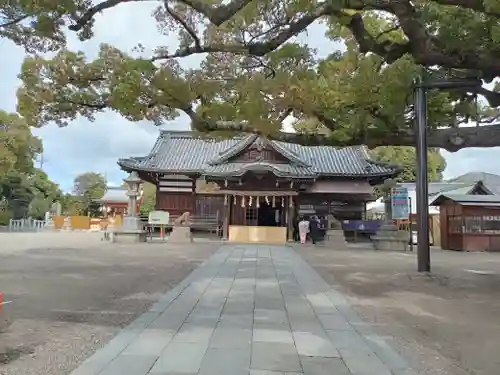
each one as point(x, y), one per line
point(377, 207)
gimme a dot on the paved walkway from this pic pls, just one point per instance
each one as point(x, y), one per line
point(249, 310)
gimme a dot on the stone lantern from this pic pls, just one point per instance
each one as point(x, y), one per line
point(133, 184)
point(389, 237)
point(131, 230)
point(387, 189)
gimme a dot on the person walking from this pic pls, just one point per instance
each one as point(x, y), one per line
point(303, 230)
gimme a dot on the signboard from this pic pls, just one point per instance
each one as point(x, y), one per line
point(399, 203)
point(159, 217)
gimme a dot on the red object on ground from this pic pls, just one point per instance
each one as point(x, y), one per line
point(1, 300)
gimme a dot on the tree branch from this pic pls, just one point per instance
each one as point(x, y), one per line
point(217, 15)
point(14, 21)
point(390, 51)
point(184, 24)
point(478, 6)
point(89, 14)
point(256, 48)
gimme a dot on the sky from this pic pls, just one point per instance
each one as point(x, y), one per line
point(85, 146)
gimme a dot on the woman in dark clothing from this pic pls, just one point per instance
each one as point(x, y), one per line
point(296, 229)
point(314, 228)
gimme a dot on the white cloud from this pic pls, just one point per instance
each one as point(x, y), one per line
point(95, 146)
point(471, 159)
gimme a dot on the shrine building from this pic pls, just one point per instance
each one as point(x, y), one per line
point(255, 187)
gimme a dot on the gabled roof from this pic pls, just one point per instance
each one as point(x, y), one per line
point(490, 181)
point(259, 141)
point(436, 188)
point(191, 153)
point(114, 195)
point(468, 200)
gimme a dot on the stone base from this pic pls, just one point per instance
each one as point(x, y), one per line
point(180, 235)
point(390, 238)
point(335, 239)
point(129, 237)
point(391, 244)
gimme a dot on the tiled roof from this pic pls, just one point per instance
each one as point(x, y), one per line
point(477, 200)
point(280, 170)
point(490, 181)
point(115, 195)
point(436, 188)
point(256, 139)
point(187, 152)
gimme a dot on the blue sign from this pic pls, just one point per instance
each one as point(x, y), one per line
point(399, 203)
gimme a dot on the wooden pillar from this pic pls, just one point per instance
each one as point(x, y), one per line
point(290, 218)
point(225, 213)
point(194, 196)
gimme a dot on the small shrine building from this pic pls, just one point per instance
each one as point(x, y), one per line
point(255, 186)
point(114, 201)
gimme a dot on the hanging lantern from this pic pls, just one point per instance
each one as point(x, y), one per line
point(266, 198)
point(282, 201)
point(277, 184)
point(274, 201)
point(250, 202)
point(291, 184)
point(243, 201)
point(258, 203)
point(225, 199)
point(234, 200)
point(225, 182)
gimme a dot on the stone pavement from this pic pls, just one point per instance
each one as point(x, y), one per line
point(248, 310)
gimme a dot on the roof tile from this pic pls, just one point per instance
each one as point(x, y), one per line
point(186, 152)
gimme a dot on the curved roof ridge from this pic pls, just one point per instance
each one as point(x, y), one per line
point(289, 154)
point(277, 169)
point(232, 151)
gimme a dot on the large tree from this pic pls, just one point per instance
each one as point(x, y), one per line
point(255, 73)
point(18, 149)
point(87, 189)
point(18, 146)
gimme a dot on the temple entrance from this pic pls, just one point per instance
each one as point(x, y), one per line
point(267, 216)
point(260, 220)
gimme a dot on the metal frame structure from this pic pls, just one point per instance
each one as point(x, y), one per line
point(421, 87)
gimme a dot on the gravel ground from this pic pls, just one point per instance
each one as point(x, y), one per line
point(71, 293)
point(446, 323)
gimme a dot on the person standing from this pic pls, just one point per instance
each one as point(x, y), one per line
point(296, 236)
point(303, 230)
point(314, 229)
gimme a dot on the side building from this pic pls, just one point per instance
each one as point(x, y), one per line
point(253, 181)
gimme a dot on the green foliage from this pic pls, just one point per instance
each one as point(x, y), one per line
point(148, 198)
point(26, 190)
point(256, 71)
point(28, 194)
point(18, 147)
point(5, 214)
point(88, 188)
point(71, 205)
point(405, 157)
point(45, 193)
point(39, 25)
point(17, 191)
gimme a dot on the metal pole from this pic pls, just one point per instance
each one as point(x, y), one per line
point(410, 224)
point(423, 249)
